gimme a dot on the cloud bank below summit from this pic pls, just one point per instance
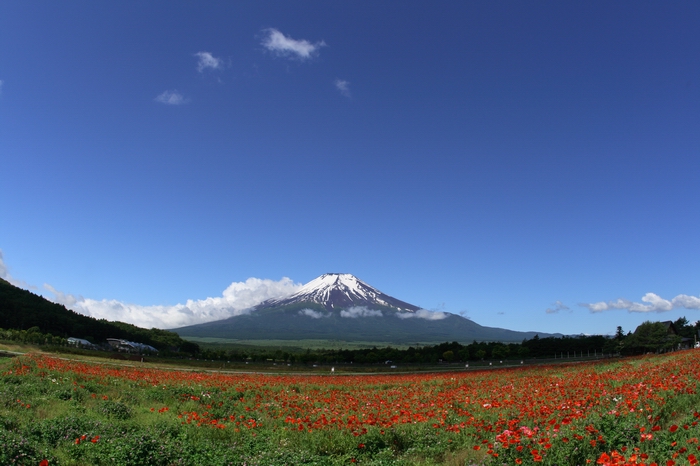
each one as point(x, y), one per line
point(240, 297)
point(237, 299)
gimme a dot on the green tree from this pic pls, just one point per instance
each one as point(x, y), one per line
point(500, 351)
point(684, 328)
point(448, 355)
point(651, 337)
point(523, 351)
point(619, 334)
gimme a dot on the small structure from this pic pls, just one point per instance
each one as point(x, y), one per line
point(646, 339)
point(127, 346)
point(686, 343)
point(80, 343)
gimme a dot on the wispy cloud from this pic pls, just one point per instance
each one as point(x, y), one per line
point(651, 302)
point(207, 60)
point(313, 314)
point(422, 314)
point(285, 46)
point(1, 83)
point(360, 311)
point(237, 299)
point(558, 306)
point(171, 98)
point(5, 274)
point(343, 86)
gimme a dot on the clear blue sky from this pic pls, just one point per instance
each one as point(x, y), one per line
point(497, 159)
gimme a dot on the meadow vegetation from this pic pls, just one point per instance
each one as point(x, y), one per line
point(640, 410)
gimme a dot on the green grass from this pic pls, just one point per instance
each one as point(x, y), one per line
point(114, 413)
point(298, 345)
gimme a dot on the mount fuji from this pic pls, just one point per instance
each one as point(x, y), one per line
point(339, 306)
point(338, 291)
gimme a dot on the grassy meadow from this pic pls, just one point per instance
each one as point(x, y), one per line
point(294, 345)
point(66, 411)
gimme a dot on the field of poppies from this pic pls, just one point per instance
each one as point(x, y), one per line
point(631, 411)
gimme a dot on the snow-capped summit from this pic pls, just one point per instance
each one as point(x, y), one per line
point(341, 307)
point(341, 290)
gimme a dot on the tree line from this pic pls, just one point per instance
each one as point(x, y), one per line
point(29, 317)
point(23, 310)
point(648, 337)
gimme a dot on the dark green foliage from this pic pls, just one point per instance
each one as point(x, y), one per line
point(16, 449)
point(651, 337)
point(548, 347)
point(64, 429)
point(430, 354)
point(35, 316)
point(145, 448)
point(115, 410)
point(684, 328)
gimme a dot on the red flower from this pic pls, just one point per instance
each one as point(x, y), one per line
point(44, 462)
point(673, 428)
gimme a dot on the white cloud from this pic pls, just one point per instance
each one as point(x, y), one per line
point(343, 86)
point(422, 314)
point(687, 302)
point(651, 302)
point(207, 60)
point(285, 46)
point(4, 273)
point(171, 98)
point(359, 311)
point(313, 314)
point(237, 299)
point(654, 303)
point(558, 306)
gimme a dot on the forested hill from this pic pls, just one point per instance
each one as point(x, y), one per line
point(21, 310)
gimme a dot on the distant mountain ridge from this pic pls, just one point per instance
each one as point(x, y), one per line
point(339, 306)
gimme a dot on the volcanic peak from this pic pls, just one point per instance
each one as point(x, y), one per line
point(339, 290)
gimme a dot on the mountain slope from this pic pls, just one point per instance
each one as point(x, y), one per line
point(337, 291)
point(21, 309)
point(342, 307)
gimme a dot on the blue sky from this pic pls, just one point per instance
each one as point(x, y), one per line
point(522, 163)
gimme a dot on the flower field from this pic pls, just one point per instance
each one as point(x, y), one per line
point(632, 411)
